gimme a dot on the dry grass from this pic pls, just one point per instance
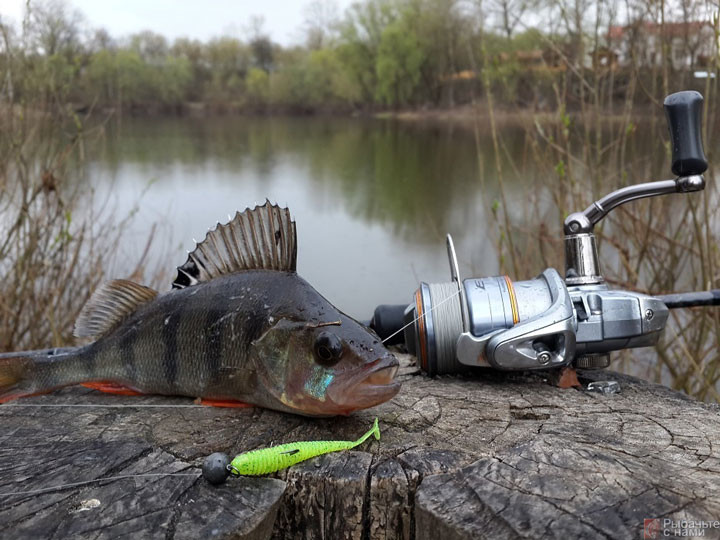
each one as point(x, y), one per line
point(54, 247)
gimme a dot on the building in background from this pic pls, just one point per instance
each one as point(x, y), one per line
point(689, 45)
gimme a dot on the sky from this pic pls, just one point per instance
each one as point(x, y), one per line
point(175, 18)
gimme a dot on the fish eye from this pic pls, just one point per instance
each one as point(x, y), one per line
point(328, 348)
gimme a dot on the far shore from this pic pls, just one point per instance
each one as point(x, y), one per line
point(462, 115)
point(465, 115)
point(471, 115)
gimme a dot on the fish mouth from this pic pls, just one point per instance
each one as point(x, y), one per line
point(373, 385)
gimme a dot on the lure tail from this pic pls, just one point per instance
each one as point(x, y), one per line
point(375, 431)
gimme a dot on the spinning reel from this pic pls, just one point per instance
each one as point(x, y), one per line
point(551, 321)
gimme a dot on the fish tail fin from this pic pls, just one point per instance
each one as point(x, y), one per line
point(375, 431)
point(28, 373)
point(16, 377)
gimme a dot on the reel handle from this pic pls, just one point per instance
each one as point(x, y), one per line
point(683, 111)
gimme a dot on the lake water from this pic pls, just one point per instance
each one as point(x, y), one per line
point(373, 199)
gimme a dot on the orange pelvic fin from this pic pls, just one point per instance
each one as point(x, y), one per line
point(112, 388)
point(224, 403)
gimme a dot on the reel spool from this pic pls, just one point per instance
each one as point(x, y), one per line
point(438, 323)
point(490, 304)
point(452, 325)
point(443, 311)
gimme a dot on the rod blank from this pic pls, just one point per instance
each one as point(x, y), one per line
point(692, 299)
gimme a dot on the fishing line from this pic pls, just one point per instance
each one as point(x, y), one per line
point(94, 405)
point(433, 308)
point(86, 482)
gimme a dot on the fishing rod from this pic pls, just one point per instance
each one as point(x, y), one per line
point(551, 321)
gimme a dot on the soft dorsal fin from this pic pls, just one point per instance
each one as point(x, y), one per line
point(109, 305)
point(263, 238)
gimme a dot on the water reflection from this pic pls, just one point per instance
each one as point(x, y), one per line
point(406, 177)
point(373, 199)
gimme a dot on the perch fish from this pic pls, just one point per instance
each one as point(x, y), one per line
point(239, 324)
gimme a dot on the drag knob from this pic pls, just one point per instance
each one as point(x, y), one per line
point(683, 111)
point(592, 361)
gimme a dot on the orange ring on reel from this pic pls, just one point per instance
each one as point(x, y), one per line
point(513, 300)
point(421, 328)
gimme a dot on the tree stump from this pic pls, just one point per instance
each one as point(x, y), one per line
point(486, 455)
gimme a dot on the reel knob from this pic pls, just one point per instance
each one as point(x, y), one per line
point(683, 111)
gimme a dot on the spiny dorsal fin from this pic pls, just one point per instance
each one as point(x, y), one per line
point(263, 238)
point(109, 305)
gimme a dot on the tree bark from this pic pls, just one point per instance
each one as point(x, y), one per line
point(485, 455)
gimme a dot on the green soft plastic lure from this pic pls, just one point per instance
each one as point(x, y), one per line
point(268, 460)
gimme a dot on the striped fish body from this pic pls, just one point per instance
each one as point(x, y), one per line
point(199, 341)
point(259, 335)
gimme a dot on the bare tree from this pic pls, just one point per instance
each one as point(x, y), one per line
point(152, 47)
point(320, 23)
point(260, 43)
point(100, 40)
point(56, 28)
point(509, 13)
point(696, 31)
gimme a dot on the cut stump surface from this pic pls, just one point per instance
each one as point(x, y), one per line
point(487, 455)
